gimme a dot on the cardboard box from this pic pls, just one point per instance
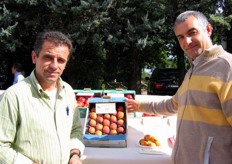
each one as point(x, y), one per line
point(111, 133)
point(130, 94)
point(82, 97)
point(83, 112)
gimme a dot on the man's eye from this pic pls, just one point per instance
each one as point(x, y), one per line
point(180, 38)
point(61, 60)
point(191, 33)
point(47, 57)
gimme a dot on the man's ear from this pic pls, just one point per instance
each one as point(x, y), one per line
point(33, 57)
point(209, 29)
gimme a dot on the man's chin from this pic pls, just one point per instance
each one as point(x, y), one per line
point(51, 80)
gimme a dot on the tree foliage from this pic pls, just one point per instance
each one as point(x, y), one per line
point(113, 39)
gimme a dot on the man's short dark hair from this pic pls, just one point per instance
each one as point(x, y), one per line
point(55, 37)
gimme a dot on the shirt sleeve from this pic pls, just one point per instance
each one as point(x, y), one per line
point(77, 132)
point(8, 119)
point(21, 159)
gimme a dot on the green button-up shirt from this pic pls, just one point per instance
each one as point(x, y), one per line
point(31, 129)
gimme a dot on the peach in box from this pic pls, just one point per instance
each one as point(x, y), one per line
point(99, 119)
point(106, 122)
point(93, 115)
point(106, 130)
point(120, 129)
point(113, 132)
point(113, 118)
point(120, 115)
point(99, 126)
point(120, 122)
point(91, 130)
point(92, 122)
point(120, 108)
point(98, 132)
point(113, 126)
point(107, 116)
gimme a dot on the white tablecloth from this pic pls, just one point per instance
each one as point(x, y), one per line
point(137, 128)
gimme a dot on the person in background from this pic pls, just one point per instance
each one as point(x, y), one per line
point(17, 72)
point(40, 122)
point(204, 100)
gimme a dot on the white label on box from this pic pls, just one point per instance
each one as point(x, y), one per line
point(115, 95)
point(85, 94)
point(105, 108)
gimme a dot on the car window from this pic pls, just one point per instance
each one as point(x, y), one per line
point(164, 74)
point(167, 74)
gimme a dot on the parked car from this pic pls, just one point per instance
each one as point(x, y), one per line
point(163, 82)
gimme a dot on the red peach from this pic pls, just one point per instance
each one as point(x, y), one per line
point(120, 114)
point(106, 122)
point(107, 116)
point(120, 122)
point(99, 126)
point(113, 126)
point(106, 130)
point(80, 104)
point(120, 129)
point(81, 99)
point(99, 119)
point(120, 108)
point(129, 96)
point(113, 118)
point(113, 132)
point(93, 115)
point(91, 130)
point(98, 132)
point(92, 122)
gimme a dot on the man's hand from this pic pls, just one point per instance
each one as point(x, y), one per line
point(132, 105)
point(75, 160)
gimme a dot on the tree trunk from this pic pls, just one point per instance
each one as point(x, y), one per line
point(135, 77)
point(229, 41)
point(180, 63)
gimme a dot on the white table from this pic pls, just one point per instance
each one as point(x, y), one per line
point(130, 155)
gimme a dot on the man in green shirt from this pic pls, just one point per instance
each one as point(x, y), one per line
point(39, 120)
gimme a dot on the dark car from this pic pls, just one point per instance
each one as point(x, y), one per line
point(163, 82)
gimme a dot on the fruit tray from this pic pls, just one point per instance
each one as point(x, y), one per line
point(106, 122)
point(82, 96)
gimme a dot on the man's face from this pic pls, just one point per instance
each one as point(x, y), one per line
point(50, 64)
point(13, 70)
point(193, 38)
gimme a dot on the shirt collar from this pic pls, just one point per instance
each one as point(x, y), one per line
point(200, 57)
point(38, 87)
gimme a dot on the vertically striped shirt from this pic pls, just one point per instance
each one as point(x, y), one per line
point(31, 129)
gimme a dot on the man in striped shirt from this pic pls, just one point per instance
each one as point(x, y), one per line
point(39, 120)
point(203, 103)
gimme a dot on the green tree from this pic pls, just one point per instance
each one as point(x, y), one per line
point(113, 39)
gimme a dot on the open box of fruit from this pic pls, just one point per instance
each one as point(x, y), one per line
point(106, 123)
point(82, 96)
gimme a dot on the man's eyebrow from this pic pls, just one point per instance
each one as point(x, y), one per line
point(190, 30)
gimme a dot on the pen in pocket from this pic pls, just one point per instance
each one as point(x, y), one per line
point(67, 110)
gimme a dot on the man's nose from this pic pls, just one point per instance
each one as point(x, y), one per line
point(54, 63)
